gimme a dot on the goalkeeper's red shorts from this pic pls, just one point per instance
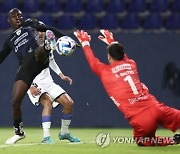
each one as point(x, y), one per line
point(145, 123)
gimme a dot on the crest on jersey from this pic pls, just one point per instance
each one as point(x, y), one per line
point(18, 32)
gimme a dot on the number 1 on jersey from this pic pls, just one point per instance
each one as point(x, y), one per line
point(131, 83)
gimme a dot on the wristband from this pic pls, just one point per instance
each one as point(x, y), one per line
point(84, 43)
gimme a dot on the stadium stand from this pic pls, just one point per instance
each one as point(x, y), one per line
point(137, 6)
point(66, 21)
point(88, 21)
point(116, 6)
point(52, 6)
point(173, 22)
point(7, 5)
point(110, 21)
point(159, 6)
point(95, 6)
point(73, 6)
point(110, 14)
point(31, 6)
point(48, 19)
point(176, 6)
point(131, 21)
point(153, 21)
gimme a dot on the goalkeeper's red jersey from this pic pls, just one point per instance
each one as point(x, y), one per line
point(121, 81)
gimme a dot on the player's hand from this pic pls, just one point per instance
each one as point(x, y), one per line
point(34, 91)
point(65, 78)
point(83, 37)
point(106, 37)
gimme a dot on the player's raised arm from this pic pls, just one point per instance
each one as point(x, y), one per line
point(84, 38)
point(107, 37)
point(53, 65)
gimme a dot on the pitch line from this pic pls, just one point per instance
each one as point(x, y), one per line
point(31, 144)
point(85, 142)
point(17, 145)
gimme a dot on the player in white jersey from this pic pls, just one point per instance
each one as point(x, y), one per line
point(43, 90)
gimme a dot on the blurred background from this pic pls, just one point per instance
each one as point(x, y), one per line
point(149, 30)
point(119, 15)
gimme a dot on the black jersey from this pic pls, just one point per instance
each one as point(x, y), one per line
point(22, 42)
point(25, 40)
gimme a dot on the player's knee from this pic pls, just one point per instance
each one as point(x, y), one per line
point(69, 104)
point(47, 104)
point(45, 101)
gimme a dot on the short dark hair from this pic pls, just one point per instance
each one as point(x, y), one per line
point(12, 10)
point(116, 51)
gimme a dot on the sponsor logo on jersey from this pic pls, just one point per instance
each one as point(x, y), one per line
point(121, 67)
point(20, 38)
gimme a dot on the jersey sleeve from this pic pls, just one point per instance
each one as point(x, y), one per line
point(30, 22)
point(53, 65)
point(5, 51)
point(34, 23)
point(95, 65)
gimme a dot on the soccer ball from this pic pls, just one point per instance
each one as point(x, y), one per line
point(65, 46)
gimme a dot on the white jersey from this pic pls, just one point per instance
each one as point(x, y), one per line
point(45, 83)
point(44, 77)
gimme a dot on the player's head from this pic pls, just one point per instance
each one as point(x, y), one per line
point(115, 52)
point(41, 34)
point(15, 18)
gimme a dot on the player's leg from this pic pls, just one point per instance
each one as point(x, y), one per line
point(42, 52)
point(143, 129)
point(22, 83)
point(44, 99)
point(67, 112)
point(145, 125)
point(66, 101)
point(46, 118)
point(19, 90)
point(171, 120)
point(59, 95)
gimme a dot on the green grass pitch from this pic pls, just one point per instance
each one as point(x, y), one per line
point(32, 143)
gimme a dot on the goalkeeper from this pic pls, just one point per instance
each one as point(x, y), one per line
point(121, 81)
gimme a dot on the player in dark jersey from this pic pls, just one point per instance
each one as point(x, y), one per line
point(33, 57)
point(121, 81)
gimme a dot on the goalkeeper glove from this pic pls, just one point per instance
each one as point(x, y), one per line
point(107, 37)
point(83, 37)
